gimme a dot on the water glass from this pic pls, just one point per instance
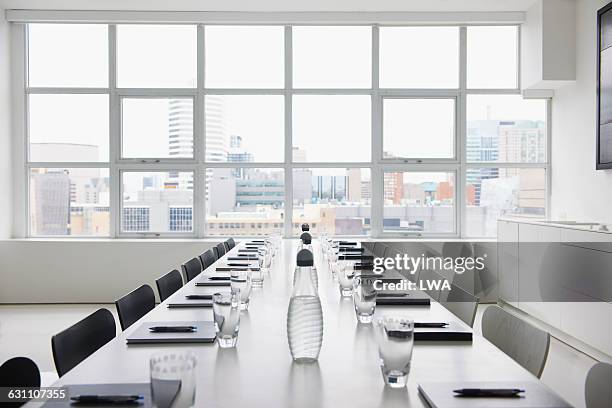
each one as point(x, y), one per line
point(173, 379)
point(395, 336)
point(226, 310)
point(257, 277)
point(241, 282)
point(345, 279)
point(364, 298)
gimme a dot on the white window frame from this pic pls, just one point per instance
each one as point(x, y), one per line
point(198, 165)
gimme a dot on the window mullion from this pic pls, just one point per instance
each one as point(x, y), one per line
point(114, 136)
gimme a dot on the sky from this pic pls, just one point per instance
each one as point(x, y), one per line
point(329, 128)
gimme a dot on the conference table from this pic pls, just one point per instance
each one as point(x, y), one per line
point(260, 372)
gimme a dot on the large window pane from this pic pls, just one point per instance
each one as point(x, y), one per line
point(492, 193)
point(336, 201)
point(245, 128)
point(506, 128)
point(332, 57)
point(68, 55)
point(419, 202)
point(419, 57)
point(69, 202)
point(158, 202)
point(492, 57)
point(331, 128)
point(244, 57)
point(244, 201)
point(68, 128)
point(156, 56)
point(419, 128)
point(157, 127)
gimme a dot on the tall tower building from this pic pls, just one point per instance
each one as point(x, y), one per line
point(180, 138)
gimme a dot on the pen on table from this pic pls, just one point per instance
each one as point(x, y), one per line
point(171, 329)
point(488, 392)
point(433, 325)
point(108, 399)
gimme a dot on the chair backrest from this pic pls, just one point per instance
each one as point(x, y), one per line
point(226, 246)
point(215, 252)
point(522, 341)
point(207, 259)
point(191, 268)
point(380, 250)
point(168, 284)
point(81, 340)
point(221, 249)
point(134, 305)
point(460, 303)
point(230, 241)
point(19, 372)
point(597, 390)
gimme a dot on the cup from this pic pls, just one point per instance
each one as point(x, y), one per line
point(240, 282)
point(226, 310)
point(173, 379)
point(395, 337)
point(345, 279)
point(257, 277)
point(364, 298)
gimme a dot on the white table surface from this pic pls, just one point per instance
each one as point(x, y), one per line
point(259, 372)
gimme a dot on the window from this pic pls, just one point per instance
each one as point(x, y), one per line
point(506, 129)
point(68, 128)
point(195, 130)
point(157, 127)
point(156, 56)
point(157, 202)
point(503, 192)
point(68, 55)
point(331, 128)
point(336, 201)
point(69, 201)
point(332, 57)
point(492, 57)
point(255, 125)
point(247, 201)
point(244, 57)
point(418, 128)
point(419, 57)
point(421, 202)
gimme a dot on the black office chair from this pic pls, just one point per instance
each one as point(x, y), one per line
point(221, 249)
point(81, 340)
point(305, 227)
point(191, 269)
point(231, 242)
point(168, 284)
point(19, 372)
point(215, 252)
point(207, 259)
point(134, 305)
point(226, 246)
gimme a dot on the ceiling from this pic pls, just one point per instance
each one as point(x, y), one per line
point(273, 5)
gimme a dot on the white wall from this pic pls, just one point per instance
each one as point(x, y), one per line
point(87, 271)
point(5, 132)
point(579, 192)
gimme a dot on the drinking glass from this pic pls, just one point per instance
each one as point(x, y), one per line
point(241, 281)
point(364, 298)
point(345, 279)
point(395, 336)
point(226, 310)
point(173, 379)
point(257, 277)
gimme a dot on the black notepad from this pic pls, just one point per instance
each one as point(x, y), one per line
point(403, 301)
point(355, 257)
point(235, 268)
point(242, 258)
point(453, 332)
point(206, 281)
point(144, 389)
point(187, 303)
point(536, 395)
point(205, 333)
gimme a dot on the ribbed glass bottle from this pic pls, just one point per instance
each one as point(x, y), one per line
point(305, 315)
